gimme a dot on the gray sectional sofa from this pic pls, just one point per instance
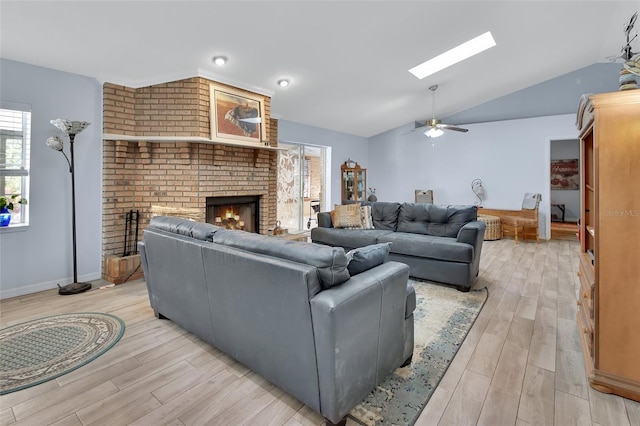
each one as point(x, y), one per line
point(439, 243)
point(290, 311)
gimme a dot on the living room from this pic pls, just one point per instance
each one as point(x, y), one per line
point(397, 164)
point(510, 154)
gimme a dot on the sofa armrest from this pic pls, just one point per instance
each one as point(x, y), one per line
point(142, 248)
point(472, 233)
point(324, 220)
point(358, 331)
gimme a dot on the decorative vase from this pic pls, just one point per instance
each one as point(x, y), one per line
point(5, 216)
point(372, 198)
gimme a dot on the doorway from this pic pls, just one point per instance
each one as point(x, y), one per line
point(564, 195)
point(301, 185)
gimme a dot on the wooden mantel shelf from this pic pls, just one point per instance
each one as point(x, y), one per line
point(194, 139)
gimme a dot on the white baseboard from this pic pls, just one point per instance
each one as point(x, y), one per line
point(48, 285)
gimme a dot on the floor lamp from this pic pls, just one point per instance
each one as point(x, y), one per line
point(71, 129)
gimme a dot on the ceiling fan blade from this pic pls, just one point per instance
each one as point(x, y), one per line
point(419, 126)
point(452, 127)
point(254, 120)
point(413, 130)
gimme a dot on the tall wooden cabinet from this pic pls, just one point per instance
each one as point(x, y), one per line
point(354, 181)
point(609, 270)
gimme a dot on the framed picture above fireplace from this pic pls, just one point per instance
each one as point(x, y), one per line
point(237, 115)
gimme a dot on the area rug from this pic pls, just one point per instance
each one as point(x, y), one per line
point(37, 351)
point(442, 319)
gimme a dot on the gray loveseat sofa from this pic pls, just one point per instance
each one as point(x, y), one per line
point(288, 310)
point(439, 243)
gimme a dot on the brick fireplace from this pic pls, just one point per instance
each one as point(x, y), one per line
point(138, 174)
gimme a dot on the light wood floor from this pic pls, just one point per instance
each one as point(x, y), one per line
point(520, 364)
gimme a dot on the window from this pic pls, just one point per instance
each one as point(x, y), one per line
point(15, 138)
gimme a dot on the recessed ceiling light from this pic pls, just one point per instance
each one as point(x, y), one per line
point(453, 56)
point(219, 60)
point(283, 83)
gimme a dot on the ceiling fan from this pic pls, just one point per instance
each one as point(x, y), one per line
point(434, 127)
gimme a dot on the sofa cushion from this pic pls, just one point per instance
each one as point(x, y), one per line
point(439, 248)
point(331, 262)
point(350, 238)
point(431, 219)
point(324, 220)
point(364, 258)
point(385, 215)
point(347, 216)
point(177, 225)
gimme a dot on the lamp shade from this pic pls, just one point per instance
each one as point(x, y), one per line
point(54, 142)
point(70, 127)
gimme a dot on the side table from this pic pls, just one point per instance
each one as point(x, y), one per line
point(494, 228)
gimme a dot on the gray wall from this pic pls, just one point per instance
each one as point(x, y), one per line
point(40, 256)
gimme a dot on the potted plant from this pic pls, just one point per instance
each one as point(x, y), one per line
point(8, 202)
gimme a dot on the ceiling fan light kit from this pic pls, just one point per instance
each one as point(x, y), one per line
point(434, 132)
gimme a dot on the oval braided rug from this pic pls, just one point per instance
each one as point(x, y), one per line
point(37, 351)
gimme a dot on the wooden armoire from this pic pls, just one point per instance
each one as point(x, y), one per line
point(609, 270)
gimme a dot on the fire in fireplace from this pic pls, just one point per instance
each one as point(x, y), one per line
point(236, 212)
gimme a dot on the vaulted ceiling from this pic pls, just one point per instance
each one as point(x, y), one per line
point(347, 61)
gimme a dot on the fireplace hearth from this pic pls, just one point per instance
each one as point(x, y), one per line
point(234, 212)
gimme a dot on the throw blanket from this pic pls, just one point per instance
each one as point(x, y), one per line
point(531, 201)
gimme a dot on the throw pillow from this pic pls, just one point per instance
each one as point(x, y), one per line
point(347, 216)
point(365, 217)
point(364, 258)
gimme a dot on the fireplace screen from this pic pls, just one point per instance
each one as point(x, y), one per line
point(233, 212)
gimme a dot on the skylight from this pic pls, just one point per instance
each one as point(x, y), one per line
point(453, 56)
